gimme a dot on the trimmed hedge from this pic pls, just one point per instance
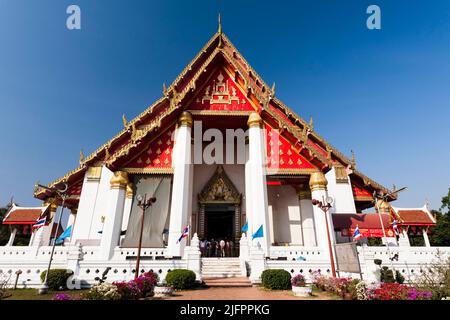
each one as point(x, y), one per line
point(57, 278)
point(181, 279)
point(276, 279)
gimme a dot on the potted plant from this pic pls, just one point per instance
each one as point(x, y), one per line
point(162, 290)
point(299, 287)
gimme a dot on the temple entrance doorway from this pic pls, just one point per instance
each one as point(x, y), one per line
point(219, 222)
point(219, 216)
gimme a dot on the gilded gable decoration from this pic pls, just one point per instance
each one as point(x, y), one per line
point(219, 189)
point(220, 92)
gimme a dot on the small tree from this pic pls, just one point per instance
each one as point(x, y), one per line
point(436, 277)
point(4, 229)
point(440, 235)
point(4, 279)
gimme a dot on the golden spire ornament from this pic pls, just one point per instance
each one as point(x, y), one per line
point(219, 31)
point(311, 123)
point(164, 89)
point(272, 90)
point(124, 119)
point(353, 159)
point(81, 157)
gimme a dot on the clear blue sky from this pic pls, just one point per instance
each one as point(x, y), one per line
point(385, 94)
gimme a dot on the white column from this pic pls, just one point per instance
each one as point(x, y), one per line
point(182, 184)
point(403, 239)
point(340, 188)
point(248, 194)
point(425, 237)
point(47, 231)
point(37, 237)
point(318, 184)
point(72, 218)
point(86, 204)
point(127, 208)
point(256, 185)
point(114, 214)
point(12, 236)
point(307, 213)
point(71, 222)
point(101, 204)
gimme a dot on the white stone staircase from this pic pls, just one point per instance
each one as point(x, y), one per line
point(221, 267)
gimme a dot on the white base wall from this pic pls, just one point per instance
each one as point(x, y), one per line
point(32, 261)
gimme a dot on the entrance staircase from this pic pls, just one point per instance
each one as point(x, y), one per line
point(223, 272)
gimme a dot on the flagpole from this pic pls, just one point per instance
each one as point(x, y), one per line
point(384, 235)
point(44, 288)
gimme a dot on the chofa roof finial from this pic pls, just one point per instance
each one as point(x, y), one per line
point(353, 159)
point(164, 89)
point(81, 157)
point(219, 31)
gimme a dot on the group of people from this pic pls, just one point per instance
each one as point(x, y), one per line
point(217, 248)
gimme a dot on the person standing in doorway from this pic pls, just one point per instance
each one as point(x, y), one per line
point(222, 248)
point(203, 247)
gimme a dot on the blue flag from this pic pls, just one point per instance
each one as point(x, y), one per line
point(245, 227)
point(259, 233)
point(64, 235)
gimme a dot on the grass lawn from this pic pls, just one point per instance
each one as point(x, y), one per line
point(32, 294)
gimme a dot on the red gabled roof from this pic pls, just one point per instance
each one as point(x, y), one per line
point(180, 95)
point(415, 217)
point(18, 215)
point(363, 221)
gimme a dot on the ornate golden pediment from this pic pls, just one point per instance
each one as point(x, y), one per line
point(219, 189)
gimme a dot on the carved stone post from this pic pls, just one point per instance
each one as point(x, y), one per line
point(237, 222)
point(201, 221)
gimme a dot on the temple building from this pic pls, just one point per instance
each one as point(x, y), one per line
point(221, 153)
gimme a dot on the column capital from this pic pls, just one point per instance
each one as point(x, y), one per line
point(318, 181)
point(254, 120)
point(52, 203)
point(119, 180)
point(130, 192)
point(185, 120)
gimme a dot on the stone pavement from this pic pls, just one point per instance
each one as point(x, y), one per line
point(252, 293)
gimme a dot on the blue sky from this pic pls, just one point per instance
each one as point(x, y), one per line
point(384, 93)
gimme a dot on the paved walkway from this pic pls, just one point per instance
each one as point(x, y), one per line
point(253, 293)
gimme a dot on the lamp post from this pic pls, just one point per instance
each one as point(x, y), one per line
point(325, 205)
point(61, 193)
point(143, 203)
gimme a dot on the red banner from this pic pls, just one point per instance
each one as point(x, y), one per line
point(368, 233)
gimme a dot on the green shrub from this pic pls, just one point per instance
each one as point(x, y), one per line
point(399, 278)
point(57, 278)
point(387, 276)
point(276, 279)
point(181, 279)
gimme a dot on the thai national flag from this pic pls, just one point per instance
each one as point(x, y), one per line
point(356, 234)
point(395, 227)
point(184, 234)
point(40, 223)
